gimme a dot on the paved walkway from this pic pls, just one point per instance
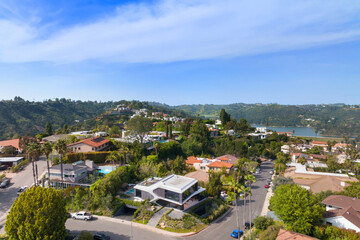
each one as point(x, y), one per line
point(157, 216)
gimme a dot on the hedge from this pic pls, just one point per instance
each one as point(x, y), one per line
point(97, 157)
point(17, 167)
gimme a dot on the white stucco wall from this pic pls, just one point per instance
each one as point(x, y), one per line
point(342, 222)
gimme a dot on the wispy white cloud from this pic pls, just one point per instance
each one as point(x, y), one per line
point(185, 30)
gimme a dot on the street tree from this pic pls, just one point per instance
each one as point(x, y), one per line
point(279, 180)
point(138, 127)
point(297, 207)
point(47, 149)
point(250, 179)
point(34, 152)
point(61, 147)
point(233, 185)
point(38, 213)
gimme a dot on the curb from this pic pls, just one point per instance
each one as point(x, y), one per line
point(143, 226)
point(217, 220)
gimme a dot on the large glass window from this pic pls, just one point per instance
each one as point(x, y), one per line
point(190, 191)
point(172, 195)
point(138, 193)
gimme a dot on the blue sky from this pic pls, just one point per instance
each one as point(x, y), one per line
point(181, 52)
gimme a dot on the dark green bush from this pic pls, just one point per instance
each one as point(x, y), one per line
point(263, 222)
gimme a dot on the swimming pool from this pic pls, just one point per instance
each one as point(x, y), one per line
point(130, 192)
point(106, 169)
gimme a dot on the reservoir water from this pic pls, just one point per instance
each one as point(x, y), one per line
point(299, 131)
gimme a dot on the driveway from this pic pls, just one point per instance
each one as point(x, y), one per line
point(22, 178)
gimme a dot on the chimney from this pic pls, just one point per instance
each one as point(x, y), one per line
point(90, 164)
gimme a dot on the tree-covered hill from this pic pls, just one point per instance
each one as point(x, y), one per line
point(20, 117)
point(331, 119)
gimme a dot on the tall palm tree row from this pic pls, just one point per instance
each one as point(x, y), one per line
point(33, 150)
point(61, 148)
point(233, 185)
point(47, 149)
point(251, 179)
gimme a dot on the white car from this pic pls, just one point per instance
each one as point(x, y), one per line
point(81, 216)
point(21, 190)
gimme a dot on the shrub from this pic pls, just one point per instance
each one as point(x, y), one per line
point(332, 232)
point(17, 167)
point(263, 222)
point(270, 233)
point(2, 176)
point(85, 236)
point(97, 157)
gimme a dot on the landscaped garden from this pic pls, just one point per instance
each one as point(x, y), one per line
point(185, 224)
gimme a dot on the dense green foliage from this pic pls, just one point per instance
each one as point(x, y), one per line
point(263, 222)
point(97, 157)
point(38, 213)
point(297, 207)
point(279, 180)
point(20, 117)
point(332, 232)
point(336, 119)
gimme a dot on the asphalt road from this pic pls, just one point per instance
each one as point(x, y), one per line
point(219, 230)
point(22, 178)
point(114, 230)
point(223, 228)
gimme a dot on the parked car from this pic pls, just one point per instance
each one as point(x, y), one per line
point(269, 182)
point(236, 233)
point(269, 179)
point(81, 216)
point(271, 172)
point(3, 167)
point(101, 236)
point(247, 225)
point(266, 186)
point(21, 190)
point(5, 182)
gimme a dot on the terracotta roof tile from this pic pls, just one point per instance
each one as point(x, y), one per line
point(217, 164)
point(192, 161)
point(94, 142)
point(12, 142)
point(290, 235)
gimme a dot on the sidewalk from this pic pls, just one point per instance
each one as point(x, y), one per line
point(143, 226)
point(269, 194)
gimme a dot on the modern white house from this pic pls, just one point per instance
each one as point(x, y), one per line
point(343, 212)
point(172, 191)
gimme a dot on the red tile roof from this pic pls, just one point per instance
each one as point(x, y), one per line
point(319, 143)
point(12, 142)
point(217, 164)
point(290, 235)
point(94, 142)
point(223, 158)
point(192, 161)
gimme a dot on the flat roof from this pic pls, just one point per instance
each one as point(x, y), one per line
point(11, 159)
point(178, 182)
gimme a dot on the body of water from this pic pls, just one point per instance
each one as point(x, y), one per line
point(299, 131)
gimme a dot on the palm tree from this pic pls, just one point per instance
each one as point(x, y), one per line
point(245, 191)
point(125, 150)
point(302, 160)
point(47, 149)
point(281, 160)
point(61, 148)
point(234, 186)
point(113, 157)
point(34, 151)
point(156, 146)
point(251, 179)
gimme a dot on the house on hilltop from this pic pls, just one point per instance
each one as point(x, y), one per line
point(90, 145)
